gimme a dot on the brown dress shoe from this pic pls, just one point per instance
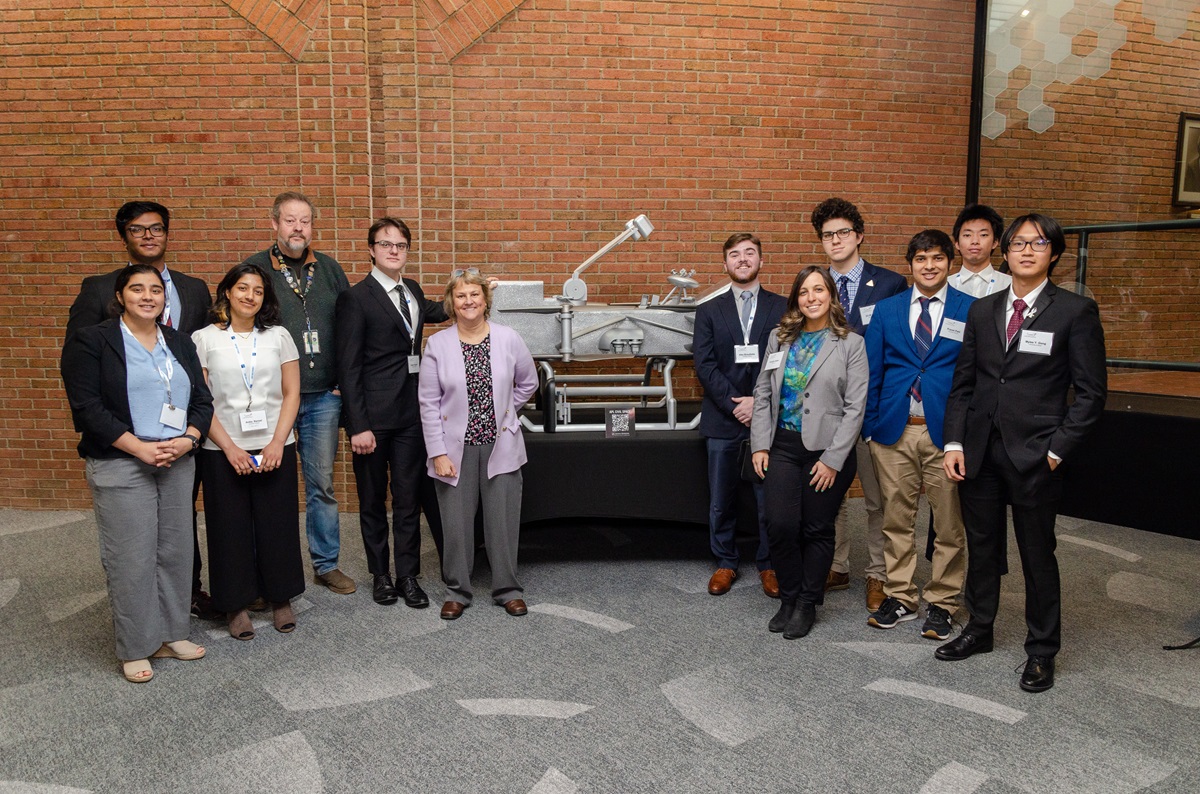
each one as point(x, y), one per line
point(837, 581)
point(721, 581)
point(336, 581)
point(875, 595)
point(770, 583)
point(515, 607)
point(452, 610)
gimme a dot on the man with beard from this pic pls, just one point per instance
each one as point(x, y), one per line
point(730, 336)
point(144, 227)
point(308, 284)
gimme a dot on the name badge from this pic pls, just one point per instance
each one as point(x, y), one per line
point(953, 329)
point(866, 313)
point(745, 354)
point(774, 360)
point(312, 343)
point(256, 460)
point(414, 365)
point(253, 420)
point(1036, 342)
point(173, 417)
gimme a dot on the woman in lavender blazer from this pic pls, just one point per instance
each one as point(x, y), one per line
point(475, 376)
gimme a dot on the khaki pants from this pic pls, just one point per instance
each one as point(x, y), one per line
point(876, 568)
point(902, 469)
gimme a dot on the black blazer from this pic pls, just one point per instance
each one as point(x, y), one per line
point(876, 284)
point(718, 329)
point(1024, 395)
point(373, 346)
point(96, 293)
point(93, 371)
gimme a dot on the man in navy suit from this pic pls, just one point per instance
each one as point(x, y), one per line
point(731, 334)
point(912, 345)
point(860, 285)
point(1009, 428)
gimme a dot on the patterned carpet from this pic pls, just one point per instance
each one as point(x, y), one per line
point(626, 676)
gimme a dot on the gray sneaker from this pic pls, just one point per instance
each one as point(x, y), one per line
point(336, 581)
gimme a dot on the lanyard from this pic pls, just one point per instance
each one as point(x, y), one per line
point(291, 280)
point(163, 376)
point(246, 379)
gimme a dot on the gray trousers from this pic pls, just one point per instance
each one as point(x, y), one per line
point(144, 515)
point(501, 497)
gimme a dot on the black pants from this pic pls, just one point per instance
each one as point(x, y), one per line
point(400, 453)
point(253, 525)
point(799, 519)
point(1034, 498)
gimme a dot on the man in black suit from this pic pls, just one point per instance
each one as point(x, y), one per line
point(1008, 429)
point(730, 336)
point(144, 227)
point(860, 285)
point(380, 321)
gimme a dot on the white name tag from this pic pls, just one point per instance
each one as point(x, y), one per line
point(414, 365)
point(1036, 342)
point(253, 420)
point(774, 360)
point(312, 342)
point(866, 313)
point(173, 417)
point(745, 354)
point(953, 329)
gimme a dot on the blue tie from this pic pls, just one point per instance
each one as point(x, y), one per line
point(924, 340)
point(844, 293)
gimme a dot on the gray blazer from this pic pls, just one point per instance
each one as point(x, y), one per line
point(834, 404)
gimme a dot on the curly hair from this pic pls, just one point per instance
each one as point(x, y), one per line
point(792, 322)
point(832, 208)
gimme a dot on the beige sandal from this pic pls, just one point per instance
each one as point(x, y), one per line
point(137, 671)
point(180, 649)
point(240, 627)
point(283, 617)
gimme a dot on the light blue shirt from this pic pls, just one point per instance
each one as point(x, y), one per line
point(145, 372)
point(854, 276)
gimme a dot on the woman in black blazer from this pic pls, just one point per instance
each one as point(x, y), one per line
point(138, 396)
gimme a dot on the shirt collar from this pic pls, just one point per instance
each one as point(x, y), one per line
point(738, 289)
point(987, 274)
point(1029, 299)
point(385, 281)
point(939, 295)
point(855, 274)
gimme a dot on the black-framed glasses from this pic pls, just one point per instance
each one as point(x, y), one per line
point(1040, 244)
point(137, 230)
point(459, 272)
point(841, 234)
point(389, 246)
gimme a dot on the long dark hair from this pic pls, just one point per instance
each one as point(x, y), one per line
point(268, 313)
point(115, 307)
point(792, 322)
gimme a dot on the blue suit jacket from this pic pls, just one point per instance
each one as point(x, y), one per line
point(892, 355)
point(877, 283)
point(718, 329)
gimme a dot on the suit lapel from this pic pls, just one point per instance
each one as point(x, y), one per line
point(1001, 326)
point(379, 294)
point(823, 354)
point(729, 311)
point(115, 338)
point(1040, 305)
point(758, 328)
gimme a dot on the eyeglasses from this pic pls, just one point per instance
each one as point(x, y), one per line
point(1039, 244)
point(459, 272)
point(387, 246)
point(840, 233)
point(135, 230)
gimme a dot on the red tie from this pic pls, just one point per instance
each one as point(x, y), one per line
point(1018, 317)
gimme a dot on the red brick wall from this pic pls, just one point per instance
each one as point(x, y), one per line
point(519, 147)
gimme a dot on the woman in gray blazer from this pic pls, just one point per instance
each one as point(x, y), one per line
point(809, 403)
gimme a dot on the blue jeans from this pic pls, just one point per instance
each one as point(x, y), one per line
point(317, 435)
point(724, 481)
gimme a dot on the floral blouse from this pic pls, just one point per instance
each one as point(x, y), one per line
point(801, 355)
point(481, 403)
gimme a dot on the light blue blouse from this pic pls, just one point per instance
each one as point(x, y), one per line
point(145, 381)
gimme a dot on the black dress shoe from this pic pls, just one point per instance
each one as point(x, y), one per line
point(1038, 675)
point(779, 622)
point(801, 621)
point(414, 596)
point(963, 646)
point(384, 592)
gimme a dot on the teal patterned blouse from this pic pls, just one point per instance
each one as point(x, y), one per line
point(801, 355)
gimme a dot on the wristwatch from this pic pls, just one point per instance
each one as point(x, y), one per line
point(194, 439)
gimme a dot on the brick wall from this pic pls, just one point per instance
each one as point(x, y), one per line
point(515, 140)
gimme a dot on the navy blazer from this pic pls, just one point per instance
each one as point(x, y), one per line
point(97, 292)
point(718, 329)
point(373, 346)
point(876, 284)
point(895, 364)
point(1024, 395)
point(94, 374)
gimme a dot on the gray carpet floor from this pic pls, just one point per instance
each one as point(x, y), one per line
point(626, 676)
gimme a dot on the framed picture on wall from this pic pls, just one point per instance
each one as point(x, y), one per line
point(1187, 161)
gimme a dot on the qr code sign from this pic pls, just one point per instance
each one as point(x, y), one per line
point(620, 423)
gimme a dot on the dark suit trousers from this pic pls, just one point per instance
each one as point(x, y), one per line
point(799, 519)
point(402, 454)
point(1034, 499)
